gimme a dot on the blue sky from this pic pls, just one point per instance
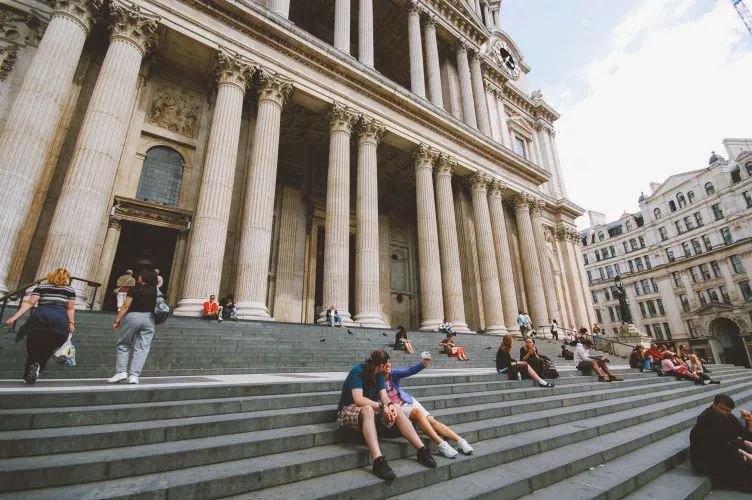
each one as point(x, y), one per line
point(646, 88)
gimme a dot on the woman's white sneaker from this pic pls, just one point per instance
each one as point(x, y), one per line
point(465, 447)
point(117, 377)
point(133, 379)
point(447, 450)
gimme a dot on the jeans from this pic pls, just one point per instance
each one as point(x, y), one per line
point(646, 364)
point(135, 335)
point(335, 320)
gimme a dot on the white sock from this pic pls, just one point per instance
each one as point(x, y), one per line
point(542, 382)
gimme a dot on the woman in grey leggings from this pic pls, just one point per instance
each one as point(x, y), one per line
point(134, 327)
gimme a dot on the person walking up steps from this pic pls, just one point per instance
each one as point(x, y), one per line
point(134, 326)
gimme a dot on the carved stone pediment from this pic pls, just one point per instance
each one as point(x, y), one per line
point(144, 212)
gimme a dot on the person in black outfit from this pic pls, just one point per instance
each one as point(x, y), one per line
point(515, 370)
point(717, 445)
point(529, 354)
point(401, 341)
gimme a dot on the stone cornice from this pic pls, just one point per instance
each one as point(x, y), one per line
point(453, 16)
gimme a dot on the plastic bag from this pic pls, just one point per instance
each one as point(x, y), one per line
point(66, 353)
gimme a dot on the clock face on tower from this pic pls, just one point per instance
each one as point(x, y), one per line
point(505, 58)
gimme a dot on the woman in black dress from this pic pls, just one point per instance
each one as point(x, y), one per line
point(50, 323)
point(515, 370)
point(529, 354)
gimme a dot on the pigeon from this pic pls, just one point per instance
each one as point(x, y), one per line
point(322, 340)
point(489, 347)
point(350, 332)
point(384, 334)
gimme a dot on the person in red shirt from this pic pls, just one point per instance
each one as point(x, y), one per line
point(653, 354)
point(212, 309)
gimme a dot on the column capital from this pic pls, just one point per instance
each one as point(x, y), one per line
point(496, 188)
point(423, 156)
point(370, 130)
point(133, 24)
point(82, 12)
point(479, 182)
point(114, 223)
point(445, 165)
point(431, 20)
point(536, 207)
point(341, 118)
point(414, 8)
point(232, 69)
point(523, 202)
point(273, 87)
point(460, 46)
point(474, 55)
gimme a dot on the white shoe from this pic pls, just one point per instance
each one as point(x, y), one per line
point(447, 450)
point(117, 377)
point(133, 379)
point(465, 447)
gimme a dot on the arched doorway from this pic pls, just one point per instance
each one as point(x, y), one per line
point(729, 335)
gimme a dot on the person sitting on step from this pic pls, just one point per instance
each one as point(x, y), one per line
point(229, 310)
point(212, 309)
point(417, 413)
point(718, 445)
point(696, 367)
point(446, 327)
point(654, 355)
point(515, 370)
point(566, 353)
point(360, 413)
point(401, 341)
point(530, 355)
point(680, 370)
point(333, 317)
point(447, 345)
point(586, 363)
point(637, 359)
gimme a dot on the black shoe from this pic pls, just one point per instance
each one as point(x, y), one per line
point(425, 458)
point(31, 376)
point(382, 470)
point(715, 382)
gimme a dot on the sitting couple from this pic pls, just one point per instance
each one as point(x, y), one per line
point(373, 400)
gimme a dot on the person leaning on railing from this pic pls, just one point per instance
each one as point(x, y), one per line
point(49, 325)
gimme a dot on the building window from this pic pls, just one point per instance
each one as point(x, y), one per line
point(647, 262)
point(604, 253)
point(645, 286)
point(661, 310)
point(651, 309)
point(672, 205)
point(584, 256)
point(595, 296)
point(642, 241)
point(617, 311)
point(709, 189)
point(691, 196)
point(658, 331)
point(636, 288)
point(640, 267)
point(748, 166)
point(690, 328)
point(689, 223)
point(679, 228)
point(717, 211)
point(664, 234)
point(696, 246)
point(642, 309)
point(724, 294)
point(694, 275)
point(161, 176)
point(702, 297)
point(631, 266)
point(589, 277)
point(611, 314)
point(736, 263)
point(684, 303)
point(667, 329)
point(600, 272)
point(670, 255)
point(736, 175)
point(747, 198)
point(629, 226)
point(726, 234)
point(520, 147)
point(685, 247)
point(713, 296)
point(626, 248)
point(677, 279)
point(746, 290)
point(609, 271)
point(600, 236)
point(598, 315)
point(647, 330)
point(607, 293)
point(716, 268)
point(706, 242)
point(698, 219)
point(681, 200)
point(657, 213)
point(616, 268)
point(633, 244)
point(613, 251)
point(705, 272)
point(654, 284)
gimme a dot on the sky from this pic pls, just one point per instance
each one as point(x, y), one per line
point(646, 88)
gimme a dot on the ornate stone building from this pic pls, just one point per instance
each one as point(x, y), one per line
point(384, 156)
point(685, 258)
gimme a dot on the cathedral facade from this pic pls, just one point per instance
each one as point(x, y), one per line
point(385, 157)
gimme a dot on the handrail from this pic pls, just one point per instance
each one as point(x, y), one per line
point(600, 338)
point(15, 293)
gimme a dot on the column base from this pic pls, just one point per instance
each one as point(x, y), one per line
point(430, 325)
point(369, 320)
point(256, 311)
point(495, 330)
point(192, 308)
point(461, 327)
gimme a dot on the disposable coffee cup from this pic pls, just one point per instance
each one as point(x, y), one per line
point(425, 355)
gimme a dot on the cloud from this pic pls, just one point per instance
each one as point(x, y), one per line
point(673, 83)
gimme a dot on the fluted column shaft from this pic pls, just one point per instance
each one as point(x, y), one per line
point(479, 95)
point(530, 262)
point(506, 139)
point(86, 192)
point(258, 209)
point(337, 240)
point(547, 279)
point(206, 252)
point(432, 63)
point(466, 86)
point(342, 25)
point(281, 7)
point(365, 32)
point(503, 256)
point(367, 300)
point(32, 122)
point(489, 274)
point(451, 272)
point(575, 287)
point(587, 299)
point(417, 80)
point(429, 262)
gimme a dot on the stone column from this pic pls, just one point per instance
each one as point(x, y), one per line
point(557, 164)
point(342, 25)
point(587, 298)
point(32, 123)
point(111, 240)
point(85, 195)
point(466, 86)
point(367, 301)
point(432, 63)
point(503, 255)
point(431, 301)
point(489, 274)
point(530, 262)
point(506, 139)
point(576, 290)
point(417, 81)
point(487, 18)
point(281, 7)
point(337, 239)
point(365, 32)
point(453, 88)
point(493, 111)
point(258, 210)
point(547, 279)
point(479, 95)
point(451, 273)
point(206, 251)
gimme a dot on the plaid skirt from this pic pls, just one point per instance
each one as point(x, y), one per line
point(349, 418)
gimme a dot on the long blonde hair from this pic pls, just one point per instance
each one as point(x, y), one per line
point(59, 277)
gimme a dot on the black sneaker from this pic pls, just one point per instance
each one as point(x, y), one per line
point(382, 470)
point(33, 373)
point(425, 458)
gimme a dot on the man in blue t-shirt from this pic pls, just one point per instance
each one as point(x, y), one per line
point(360, 412)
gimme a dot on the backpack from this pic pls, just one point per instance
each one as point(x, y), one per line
point(161, 309)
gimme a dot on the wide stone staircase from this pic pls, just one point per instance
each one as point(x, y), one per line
point(193, 433)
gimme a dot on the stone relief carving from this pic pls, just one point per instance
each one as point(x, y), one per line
point(150, 213)
point(175, 109)
point(9, 53)
point(17, 29)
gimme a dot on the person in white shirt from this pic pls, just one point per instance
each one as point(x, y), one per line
point(585, 363)
point(524, 323)
point(160, 280)
point(446, 327)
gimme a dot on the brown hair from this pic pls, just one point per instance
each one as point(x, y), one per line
point(377, 358)
point(59, 277)
point(506, 343)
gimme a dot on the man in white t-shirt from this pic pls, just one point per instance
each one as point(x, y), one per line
point(585, 363)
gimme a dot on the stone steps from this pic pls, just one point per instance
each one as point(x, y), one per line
point(679, 482)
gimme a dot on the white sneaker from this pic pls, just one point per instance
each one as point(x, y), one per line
point(117, 377)
point(465, 447)
point(133, 379)
point(447, 450)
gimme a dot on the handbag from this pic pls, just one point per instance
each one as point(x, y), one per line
point(161, 309)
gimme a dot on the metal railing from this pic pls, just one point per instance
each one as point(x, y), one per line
point(544, 331)
point(19, 293)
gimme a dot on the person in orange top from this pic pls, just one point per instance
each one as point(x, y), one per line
point(212, 309)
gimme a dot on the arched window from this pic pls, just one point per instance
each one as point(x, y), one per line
point(161, 176)
point(748, 166)
point(657, 213)
point(672, 205)
point(709, 188)
point(600, 236)
point(691, 196)
point(681, 200)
